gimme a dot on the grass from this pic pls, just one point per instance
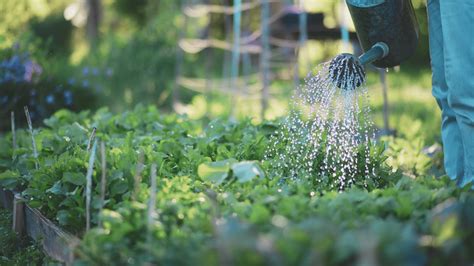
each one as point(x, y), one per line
point(413, 110)
point(15, 250)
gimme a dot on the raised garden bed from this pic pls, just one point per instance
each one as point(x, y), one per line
point(216, 199)
point(56, 243)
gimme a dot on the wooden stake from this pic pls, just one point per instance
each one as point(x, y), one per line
point(386, 121)
point(137, 178)
point(103, 180)
point(30, 127)
point(179, 60)
point(152, 201)
point(18, 216)
point(91, 139)
point(89, 186)
point(265, 56)
point(235, 55)
point(12, 118)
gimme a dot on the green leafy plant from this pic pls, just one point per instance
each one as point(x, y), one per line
point(220, 201)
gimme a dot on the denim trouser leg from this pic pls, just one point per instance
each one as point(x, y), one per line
point(450, 132)
point(452, 57)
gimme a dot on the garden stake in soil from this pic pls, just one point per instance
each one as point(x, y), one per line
point(91, 139)
point(18, 215)
point(90, 170)
point(103, 179)
point(137, 178)
point(12, 118)
point(33, 142)
point(151, 202)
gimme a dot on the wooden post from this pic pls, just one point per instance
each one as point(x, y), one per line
point(91, 139)
point(151, 202)
point(33, 142)
point(265, 56)
point(302, 22)
point(137, 178)
point(235, 54)
point(179, 59)
point(12, 118)
point(18, 215)
point(208, 64)
point(226, 64)
point(383, 80)
point(90, 170)
point(103, 180)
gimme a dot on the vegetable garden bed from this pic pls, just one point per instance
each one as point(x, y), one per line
point(56, 243)
point(166, 190)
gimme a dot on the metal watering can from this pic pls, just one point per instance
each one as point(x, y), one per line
point(387, 31)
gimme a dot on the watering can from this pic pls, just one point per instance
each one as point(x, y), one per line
point(387, 31)
point(391, 22)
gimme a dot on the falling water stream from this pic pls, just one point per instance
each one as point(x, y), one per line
point(328, 131)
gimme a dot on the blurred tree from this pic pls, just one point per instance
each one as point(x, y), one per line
point(134, 9)
point(93, 19)
point(15, 17)
point(54, 32)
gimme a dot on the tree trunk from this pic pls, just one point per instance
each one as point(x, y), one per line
point(93, 20)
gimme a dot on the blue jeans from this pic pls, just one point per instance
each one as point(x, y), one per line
point(451, 29)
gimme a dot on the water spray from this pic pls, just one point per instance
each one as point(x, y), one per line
point(329, 130)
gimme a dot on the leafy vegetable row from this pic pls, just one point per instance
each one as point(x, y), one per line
point(219, 198)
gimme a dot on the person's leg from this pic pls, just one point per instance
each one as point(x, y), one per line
point(450, 133)
point(457, 18)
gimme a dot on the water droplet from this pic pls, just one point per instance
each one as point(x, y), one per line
point(327, 120)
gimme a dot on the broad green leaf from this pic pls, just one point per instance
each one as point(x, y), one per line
point(63, 217)
point(9, 179)
point(56, 189)
point(259, 214)
point(9, 174)
point(77, 179)
point(215, 172)
point(246, 171)
point(118, 188)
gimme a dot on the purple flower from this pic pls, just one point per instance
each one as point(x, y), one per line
point(50, 99)
point(68, 97)
point(95, 71)
point(19, 68)
point(85, 71)
point(31, 69)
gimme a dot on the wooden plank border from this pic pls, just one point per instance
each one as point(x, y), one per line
point(56, 242)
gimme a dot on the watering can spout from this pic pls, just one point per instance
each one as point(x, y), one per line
point(377, 52)
point(347, 71)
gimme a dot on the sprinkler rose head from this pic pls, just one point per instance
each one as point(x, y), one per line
point(346, 72)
